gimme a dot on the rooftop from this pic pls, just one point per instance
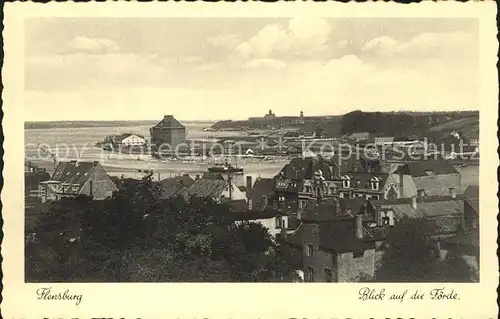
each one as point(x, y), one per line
point(261, 187)
point(73, 172)
point(205, 188)
point(427, 168)
point(472, 191)
point(304, 168)
point(173, 185)
point(338, 236)
point(169, 122)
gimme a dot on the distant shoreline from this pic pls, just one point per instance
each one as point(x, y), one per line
point(81, 124)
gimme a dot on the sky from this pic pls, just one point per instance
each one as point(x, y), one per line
point(228, 68)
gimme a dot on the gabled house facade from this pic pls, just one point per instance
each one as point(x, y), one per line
point(71, 179)
point(303, 179)
point(333, 250)
point(128, 140)
point(428, 178)
point(375, 186)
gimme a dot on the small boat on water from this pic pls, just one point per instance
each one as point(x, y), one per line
point(225, 168)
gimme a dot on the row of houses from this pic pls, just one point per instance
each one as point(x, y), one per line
point(332, 218)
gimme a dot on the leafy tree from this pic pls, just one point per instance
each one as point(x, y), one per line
point(411, 254)
point(138, 236)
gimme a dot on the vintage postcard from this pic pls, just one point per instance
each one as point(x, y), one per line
point(250, 160)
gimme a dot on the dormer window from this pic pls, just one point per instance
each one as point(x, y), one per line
point(346, 181)
point(387, 218)
point(375, 183)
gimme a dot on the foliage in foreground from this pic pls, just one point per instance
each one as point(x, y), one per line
point(138, 237)
point(412, 256)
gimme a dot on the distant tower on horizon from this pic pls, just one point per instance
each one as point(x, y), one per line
point(301, 114)
point(270, 114)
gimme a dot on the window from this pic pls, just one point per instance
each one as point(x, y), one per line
point(328, 275)
point(390, 216)
point(358, 254)
point(421, 193)
point(341, 195)
point(346, 181)
point(309, 250)
point(374, 182)
point(385, 221)
point(375, 197)
point(332, 190)
point(310, 274)
point(302, 204)
point(308, 189)
point(281, 198)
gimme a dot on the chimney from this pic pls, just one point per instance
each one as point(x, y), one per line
point(91, 190)
point(249, 184)
point(401, 178)
point(359, 226)
point(263, 202)
point(337, 207)
point(197, 177)
point(453, 193)
point(95, 163)
point(229, 181)
point(250, 204)
point(414, 202)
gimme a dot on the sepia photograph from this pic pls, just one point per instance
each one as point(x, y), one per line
point(349, 152)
